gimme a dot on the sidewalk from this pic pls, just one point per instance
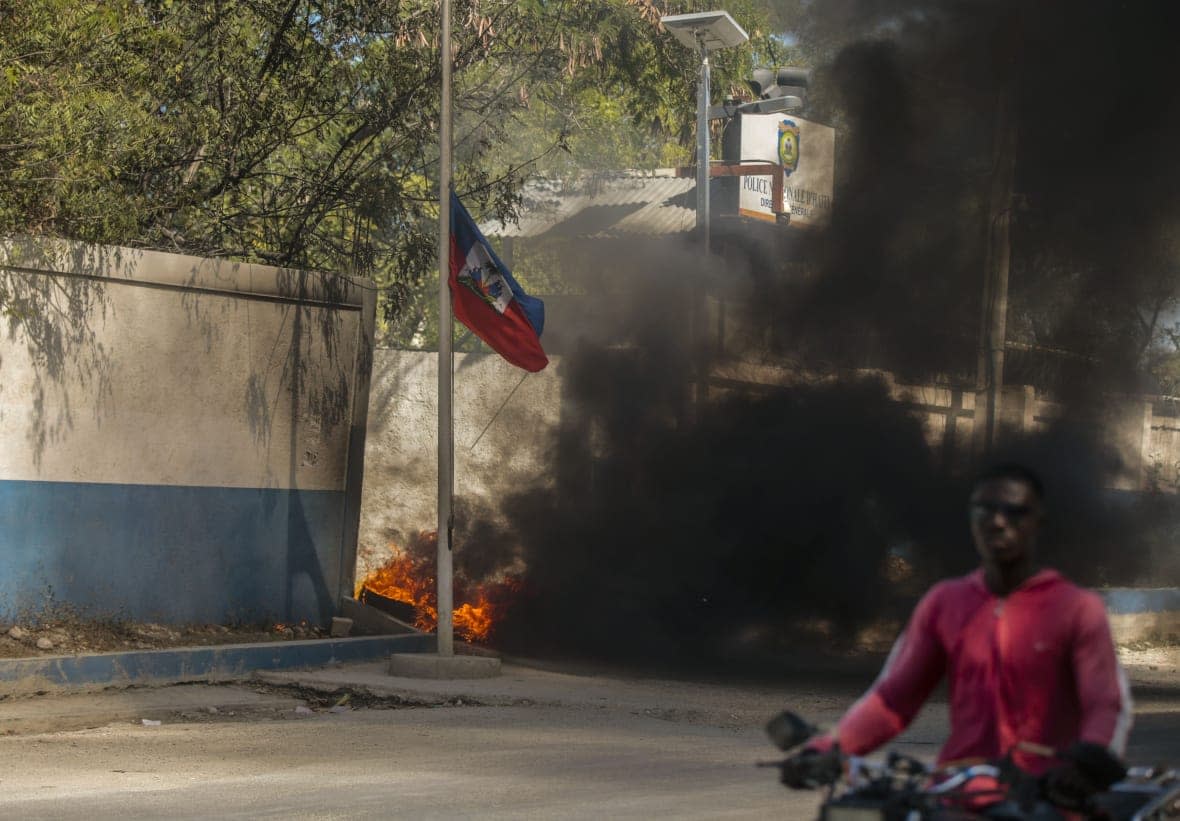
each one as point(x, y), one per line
point(1155, 675)
point(1152, 667)
point(80, 711)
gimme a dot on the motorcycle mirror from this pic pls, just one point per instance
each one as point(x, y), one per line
point(787, 730)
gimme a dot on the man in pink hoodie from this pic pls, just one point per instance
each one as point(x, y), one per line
point(1028, 656)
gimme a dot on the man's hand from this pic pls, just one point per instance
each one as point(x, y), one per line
point(1086, 769)
point(811, 768)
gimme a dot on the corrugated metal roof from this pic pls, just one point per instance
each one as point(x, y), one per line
point(651, 203)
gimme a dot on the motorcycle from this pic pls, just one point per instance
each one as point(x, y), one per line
point(902, 788)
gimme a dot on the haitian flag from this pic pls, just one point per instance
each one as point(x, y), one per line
point(488, 300)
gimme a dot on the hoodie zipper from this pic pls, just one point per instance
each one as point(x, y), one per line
point(1000, 633)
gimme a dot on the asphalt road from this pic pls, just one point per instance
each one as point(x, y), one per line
point(485, 762)
point(607, 748)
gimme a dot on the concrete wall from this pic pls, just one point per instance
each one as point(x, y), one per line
point(401, 480)
point(1143, 614)
point(181, 439)
point(505, 421)
point(1162, 452)
point(947, 414)
point(503, 418)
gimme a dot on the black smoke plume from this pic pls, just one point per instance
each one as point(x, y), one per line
point(679, 528)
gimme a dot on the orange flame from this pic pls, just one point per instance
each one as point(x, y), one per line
point(411, 580)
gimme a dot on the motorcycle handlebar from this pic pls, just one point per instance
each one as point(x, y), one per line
point(809, 769)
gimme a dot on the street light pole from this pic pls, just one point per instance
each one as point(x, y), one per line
point(704, 32)
point(703, 95)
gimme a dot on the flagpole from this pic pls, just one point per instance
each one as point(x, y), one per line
point(446, 422)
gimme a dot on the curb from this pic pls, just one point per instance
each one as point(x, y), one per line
point(172, 666)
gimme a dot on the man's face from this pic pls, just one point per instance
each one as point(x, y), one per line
point(1005, 517)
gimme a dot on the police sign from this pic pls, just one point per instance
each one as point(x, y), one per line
point(806, 151)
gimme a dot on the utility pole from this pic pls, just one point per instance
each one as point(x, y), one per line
point(994, 320)
point(446, 423)
point(444, 663)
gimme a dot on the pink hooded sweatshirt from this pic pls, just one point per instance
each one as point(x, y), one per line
point(1035, 666)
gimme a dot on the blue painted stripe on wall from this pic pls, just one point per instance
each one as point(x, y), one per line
point(199, 663)
point(170, 554)
point(1141, 600)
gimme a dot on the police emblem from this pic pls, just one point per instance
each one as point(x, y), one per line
point(788, 146)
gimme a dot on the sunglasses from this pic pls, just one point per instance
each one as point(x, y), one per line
point(986, 510)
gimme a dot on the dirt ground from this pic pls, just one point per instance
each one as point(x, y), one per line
point(67, 635)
